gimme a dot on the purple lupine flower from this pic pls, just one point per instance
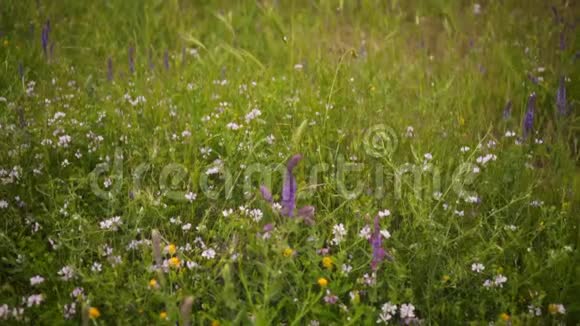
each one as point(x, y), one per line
point(131, 59)
point(507, 110)
point(376, 241)
point(561, 97)
point(563, 40)
point(289, 187)
point(289, 194)
point(166, 59)
point(45, 37)
point(529, 118)
point(109, 69)
point(266, 194)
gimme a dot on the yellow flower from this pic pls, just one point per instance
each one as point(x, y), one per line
point(163, 315)
point(174, 262)
point(505, 317)
point(153, 283)
point(288, 252)
point(171, 249)
point(323, 282)
point(94, 313)
point(215, 323)
point(327, 262)
point(445, 278)
point(461, 121)
point(6, 42)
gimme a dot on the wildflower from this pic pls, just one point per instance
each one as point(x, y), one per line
point(94, 313)
point(289, 194)
point(208, 253)
point(35, 280)
point(529, 117)
point(227, 212)
point(153, 284)
point(445, 278)
point(163, 315)
point(330, 298)
point(384, 213)
point(365, 232)
point(477, 267)
point(561, 97)
point(78, 293)
point(379, 252)
point(346, 269)
point(339, 233)
point(556, 308)
point(174, 262)
point(407, 311)
point(507, 111)
point(112, 223)
point(34, 300)
point(66, 273)
point(170, 249)
point(288, 252)
point(534, 311)
point(500, 280)
point(190, 196)
point(504, 316)
point(215, 323)
point(69, 310)
point(327, 262)
point(322, 282)
point(388, 310)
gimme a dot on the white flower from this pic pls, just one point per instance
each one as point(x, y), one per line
point(69, 310)
point(388, 310)
point(35, 280)
point(64, 141)
point(233, 126)
point(410, 132)
point(96, 267)
point(3, 204)
point(465, 149)
point(339, 233)
point(190, 196)
point(534, 311)
point(270, 139)
point(476, 9)
point(112, 223)
point(407, 311)
point(191, 264)
point(477, 267)
point(186, 227)
point(213, 170)
point(208, 253)
point(253, 115)
point(499, 280)
point(560, 309)
point(483, 160)
point(298, 66)
point(34, 300)
point(66, 273)
point(365, 232)
point(428, 156)
point(386, 234)
point(510, 134)
point(384, 213)
point(256, 215)
point(227, 212)
point(346, 269)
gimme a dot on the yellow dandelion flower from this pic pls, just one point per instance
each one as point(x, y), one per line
point(288, 252)
point(163, 315)
point(323, 282)
point(171, 249)
point(215, 323)
point(327, 262)
point(174, 262)
point(504, 316)
point(445, 278)
point(153, 283)
point(94, 313)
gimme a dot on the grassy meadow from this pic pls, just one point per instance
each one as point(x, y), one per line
point(280, 162)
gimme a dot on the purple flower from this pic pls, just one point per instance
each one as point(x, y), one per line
point(131, 59)
point(109, 69)
point(289, 189)
point(507, 110)
point(376, 241)
point(45, 37)
point(529, 118)
point(561, 97)
point(268, 227)
point(166, 59)
point(330, 298)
